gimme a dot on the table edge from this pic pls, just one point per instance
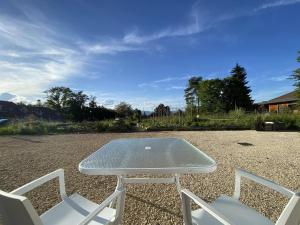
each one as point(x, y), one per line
point(132, 171)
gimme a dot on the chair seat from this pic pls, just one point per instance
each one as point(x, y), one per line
point(73, 210)
point(234, 210)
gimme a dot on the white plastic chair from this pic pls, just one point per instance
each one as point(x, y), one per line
point(230, 211)
point(16, 209)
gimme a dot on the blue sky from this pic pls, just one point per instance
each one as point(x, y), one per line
point(143, 52)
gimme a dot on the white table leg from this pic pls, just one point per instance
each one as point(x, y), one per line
point(123, 180)
point(177, 182)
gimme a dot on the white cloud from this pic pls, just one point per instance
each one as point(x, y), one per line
point(277, 3)
point(175, 88)
point(138, 99)
point(108, 102)
point(151, 84)
point(7, 96)
point(108, 48)
point(148, 103)
point(13, 98)
point(198, 22)
point(157, 83)
point(32, 57)
point(35, 56)
point(169, 79)
point(279, 78)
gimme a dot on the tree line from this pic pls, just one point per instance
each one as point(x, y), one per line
point(77, 106)
point(219, 95)
point(201, 95)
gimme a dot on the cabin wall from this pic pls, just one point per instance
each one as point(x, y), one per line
point(279, 107)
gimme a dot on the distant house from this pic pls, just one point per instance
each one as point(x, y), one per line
point(280, 104)
point(9, 110)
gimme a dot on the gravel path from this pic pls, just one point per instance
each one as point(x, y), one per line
point(274, 155)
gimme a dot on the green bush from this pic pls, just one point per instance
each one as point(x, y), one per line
point(235, 120)
point(290, 121)
point(238, 113)
point(120, 125)
point(101, 126)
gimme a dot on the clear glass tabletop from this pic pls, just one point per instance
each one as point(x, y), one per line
point(147, 155)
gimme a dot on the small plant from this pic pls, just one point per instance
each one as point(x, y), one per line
point(101, 126)
point(259, 123)
point(237, 113)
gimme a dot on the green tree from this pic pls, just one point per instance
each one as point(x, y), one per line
point(58, 97)
point(92, 103)
point(137, 115)
point(296, 77)
point(76, 105)
point(69, 103)
point(162, 110)
point(124, 109)
point(190, 94)
point(236, 92)
point(210, 93)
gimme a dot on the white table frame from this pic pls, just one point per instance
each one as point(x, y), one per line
point(122, 174)
point(147, 180)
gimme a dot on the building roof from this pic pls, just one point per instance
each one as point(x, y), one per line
point(7, 104)
point(289, 97)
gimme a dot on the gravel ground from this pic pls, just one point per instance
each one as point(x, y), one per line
point(274, 155)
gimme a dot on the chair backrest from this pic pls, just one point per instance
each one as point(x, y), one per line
point(291, 213)
point(15, 209)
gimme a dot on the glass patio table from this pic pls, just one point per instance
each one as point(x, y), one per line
point(136, 156)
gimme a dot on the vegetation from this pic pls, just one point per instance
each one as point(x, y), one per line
point(236, 93)
point(73, 105)
point(219, 95)
point(213, 104)
point(124, 110)
point(162, 110)
point(296, 77)
point(234, 120)
point(210, 93)
point(191, 94)
point(44, 127)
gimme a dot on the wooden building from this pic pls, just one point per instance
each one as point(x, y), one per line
point(286, 102)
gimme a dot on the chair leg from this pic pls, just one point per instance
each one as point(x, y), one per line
point(186, 210)
point(119, 186)
point(120, 205)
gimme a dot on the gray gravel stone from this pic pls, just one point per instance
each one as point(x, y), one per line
point(274, 155)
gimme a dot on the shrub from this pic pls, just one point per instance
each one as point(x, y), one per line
point(237, 113)
point(101, 126)
point(290, 121)
point(120, 125)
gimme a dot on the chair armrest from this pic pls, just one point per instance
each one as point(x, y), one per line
point(104, 204)
point(33, 184)
point(187, 196)
point(270, 184)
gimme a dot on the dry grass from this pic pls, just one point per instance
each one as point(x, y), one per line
point(274, 155)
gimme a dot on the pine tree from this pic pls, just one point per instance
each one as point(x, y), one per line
point(236, 92)
point(296, 77)
point(191, 95)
